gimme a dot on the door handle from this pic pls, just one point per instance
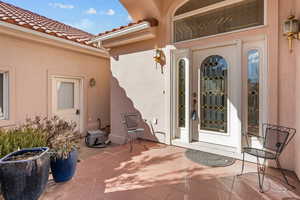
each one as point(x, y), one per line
point(77, 112)
point(194, 112)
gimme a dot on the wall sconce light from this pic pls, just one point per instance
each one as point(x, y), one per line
point(291, 30)
point(160, 58)
point(92, 82)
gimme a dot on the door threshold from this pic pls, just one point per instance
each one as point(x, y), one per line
point(215, 149)
point(209, 148)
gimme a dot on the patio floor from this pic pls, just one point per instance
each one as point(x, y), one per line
point(163, 173)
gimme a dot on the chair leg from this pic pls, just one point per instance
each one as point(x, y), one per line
point(261, 170)
point(131, 144)
point(129, 140)
point(243, 165)
point(140, 141)
point(283, 174)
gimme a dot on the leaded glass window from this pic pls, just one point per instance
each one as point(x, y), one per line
point(245, 14)
point(214, 94)
point(181, 93)
point(253, 91)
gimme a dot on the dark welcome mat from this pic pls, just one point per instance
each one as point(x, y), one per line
point(209, 159)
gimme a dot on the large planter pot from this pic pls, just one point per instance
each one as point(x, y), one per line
point(24, 179)
point(64, 169)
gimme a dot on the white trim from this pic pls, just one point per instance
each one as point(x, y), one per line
point(6, 97)
point(210, 148)
point(47, 36)
point(236, 98)
point(141, 37)
point(260, 46)
point(216, 149)
point(220, 34)
point(183, 133)
point(81, 96)
point(176, 54)
point(216, 45)
point(207, 9)
point(124, 31)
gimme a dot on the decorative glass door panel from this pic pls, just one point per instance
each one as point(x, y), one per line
point(181, 94)
point(213, 94)
point(217, 86)
point(253, 91)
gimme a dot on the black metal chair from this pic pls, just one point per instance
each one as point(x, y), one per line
point(131, 124)
point(274, 141)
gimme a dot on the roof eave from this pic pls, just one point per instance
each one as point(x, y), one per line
point(20, 29)
point(132, 29)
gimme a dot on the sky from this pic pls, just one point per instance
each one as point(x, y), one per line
point(93, 16)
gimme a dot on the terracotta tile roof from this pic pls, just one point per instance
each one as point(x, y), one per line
point(153, 22)
point(18, 16)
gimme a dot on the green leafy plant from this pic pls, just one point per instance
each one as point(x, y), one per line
point(19, 138)
point(61, 136)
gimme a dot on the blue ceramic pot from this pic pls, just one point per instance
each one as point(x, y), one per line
point(64, 169)
point(24, 179)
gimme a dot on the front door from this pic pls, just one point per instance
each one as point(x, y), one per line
point(66, 99)
point(216, 95)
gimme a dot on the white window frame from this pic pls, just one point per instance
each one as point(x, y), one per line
point(183, 134)
point(6, 97)
point(259, 44)
point(208, 9)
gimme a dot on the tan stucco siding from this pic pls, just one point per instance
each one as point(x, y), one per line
point(32, 63)
point(138, 86)
point(296, 68)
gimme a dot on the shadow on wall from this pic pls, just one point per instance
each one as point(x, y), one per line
point(121, 104)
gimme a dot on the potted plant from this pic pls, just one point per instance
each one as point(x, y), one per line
point(63, 140)
point(24, 173)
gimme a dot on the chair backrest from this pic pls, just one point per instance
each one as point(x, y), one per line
point(277, 137)
point(131, 120)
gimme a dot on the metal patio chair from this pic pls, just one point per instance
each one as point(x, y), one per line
point(131, 124)
point(275, 139)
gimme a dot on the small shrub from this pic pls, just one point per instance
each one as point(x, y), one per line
point(61, 136)
point(57, 134)
point(19, 138)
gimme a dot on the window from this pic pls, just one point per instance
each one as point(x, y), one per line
point(197, 19)
point(65, 95)
point(4, 96)
point(181, 93)
point(214, 94)
point(253, 91)
point(194, 5)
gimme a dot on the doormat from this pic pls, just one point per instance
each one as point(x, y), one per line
point(209, 159)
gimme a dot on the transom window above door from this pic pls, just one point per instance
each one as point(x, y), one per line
point(200, 18)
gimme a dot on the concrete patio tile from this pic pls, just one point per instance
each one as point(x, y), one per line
point(163, 173)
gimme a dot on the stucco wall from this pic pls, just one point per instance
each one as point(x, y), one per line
point(137, 86)
point(281, 97)
point(31, 63)
point(286, 83)
point(297, 95)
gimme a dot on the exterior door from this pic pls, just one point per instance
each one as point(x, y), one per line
point(216, 96)
point(66, 99)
